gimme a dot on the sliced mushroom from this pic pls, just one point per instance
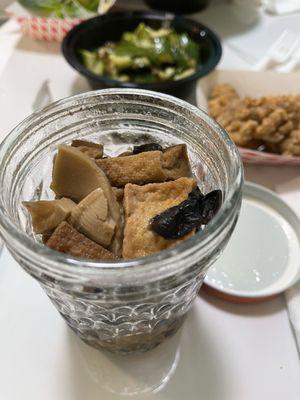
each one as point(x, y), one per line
point(47, 215)
point(75, 175)
point(66, 239)
point(139, 169)
point(91, 217)
point(176, 163)
point(93, 150)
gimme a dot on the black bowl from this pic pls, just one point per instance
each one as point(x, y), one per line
point(178, 6)
point(95, 32)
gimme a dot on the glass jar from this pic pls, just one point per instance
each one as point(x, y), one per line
point(131, 305)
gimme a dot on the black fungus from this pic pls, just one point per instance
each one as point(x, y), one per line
point(177, 221)
point(209, 205)
point(147, 147)
point(193, 212)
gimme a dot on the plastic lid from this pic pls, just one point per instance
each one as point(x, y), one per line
point(262, 257)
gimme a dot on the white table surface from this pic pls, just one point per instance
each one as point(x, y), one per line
point(227, 351)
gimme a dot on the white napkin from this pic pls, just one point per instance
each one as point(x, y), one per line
point(290, 193)
point(281, 6)
point(16, 9)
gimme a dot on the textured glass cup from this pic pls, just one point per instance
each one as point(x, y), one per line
point(134, 304)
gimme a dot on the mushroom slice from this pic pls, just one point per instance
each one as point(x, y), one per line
point(93, 150)
point(75, 175)
point(139, 169)
point(176, 163)
point(91, 217)
point(47, 215)
point(67, 240)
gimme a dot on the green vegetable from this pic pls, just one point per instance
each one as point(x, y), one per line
point(92, 63)
point(61, 8)
point(145, 56)
point(91, 5)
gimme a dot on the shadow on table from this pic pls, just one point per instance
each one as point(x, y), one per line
point(81, 85)
point(268, 307)
point(183, 367)
point(270, 176)
point(38, 46)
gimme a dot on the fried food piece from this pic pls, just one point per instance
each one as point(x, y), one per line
point(265, 122)
point(92, 218)
point(273, 127)
point(175, 162)
point(75, 175)
point(67, 240)
point(221, 96)
point(242, 133)
point(224, 90)
point(93, 150)
point(46, 215)
point(139, 169)
point(147, 167)
point(291, 145)
point(141, 204)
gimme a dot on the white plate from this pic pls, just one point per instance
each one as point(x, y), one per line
point(262, 257)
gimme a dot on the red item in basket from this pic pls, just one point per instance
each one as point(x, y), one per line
point(49, 29)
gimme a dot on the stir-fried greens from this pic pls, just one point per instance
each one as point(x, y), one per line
point(62, 8)
point(145, 56)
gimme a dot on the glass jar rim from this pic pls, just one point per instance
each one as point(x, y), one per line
point(73, 267)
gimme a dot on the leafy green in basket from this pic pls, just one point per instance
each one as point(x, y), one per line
point(62, 8)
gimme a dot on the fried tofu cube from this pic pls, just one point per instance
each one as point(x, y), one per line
point(176, 163)
point(141, 204)
point(147, 167)
point(139, 168)
point(67, 239)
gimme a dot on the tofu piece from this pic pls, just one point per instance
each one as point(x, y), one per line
point(176, 163)
point(68, 240)
point(147, 167)
point(141, 203)
point(139, 169)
